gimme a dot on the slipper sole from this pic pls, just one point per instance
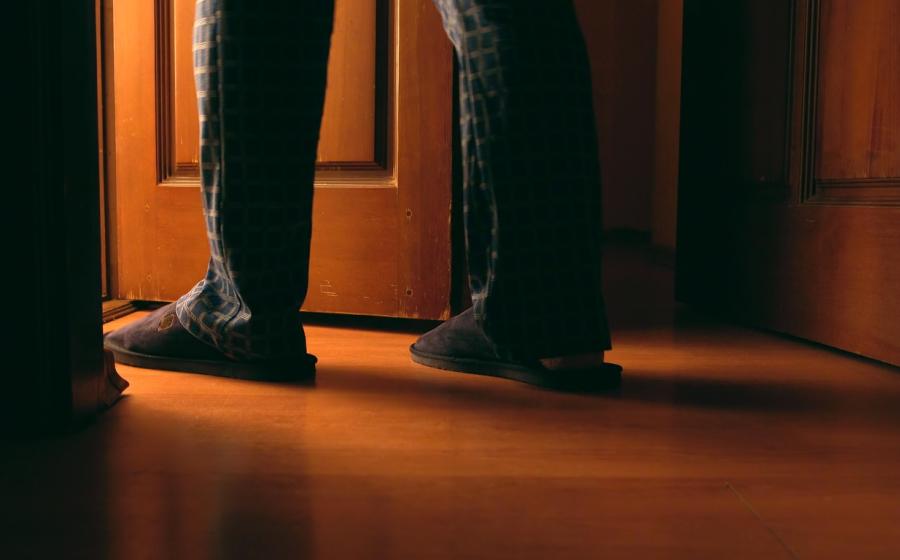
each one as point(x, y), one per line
point(282, 371)
point(607, 376)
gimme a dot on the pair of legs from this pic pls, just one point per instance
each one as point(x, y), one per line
point(532, 205)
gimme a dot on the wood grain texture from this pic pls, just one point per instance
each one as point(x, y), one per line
point(858, 112)
point(722, 443)
point(381, 234)
point(423, 155)
point(348, 124)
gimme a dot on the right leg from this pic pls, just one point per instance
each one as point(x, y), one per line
point(260, 70)
point(260, 74)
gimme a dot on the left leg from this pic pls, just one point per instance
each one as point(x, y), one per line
point(532, 201)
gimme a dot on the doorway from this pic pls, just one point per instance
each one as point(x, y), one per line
point(381, 235)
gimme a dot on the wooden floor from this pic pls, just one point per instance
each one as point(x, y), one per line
point(722, 443)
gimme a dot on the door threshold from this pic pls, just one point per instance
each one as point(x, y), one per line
point(115, 308)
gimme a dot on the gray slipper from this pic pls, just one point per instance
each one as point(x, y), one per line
point(459, 344)
point(159, 341)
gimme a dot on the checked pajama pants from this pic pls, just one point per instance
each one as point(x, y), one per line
point(532, 205)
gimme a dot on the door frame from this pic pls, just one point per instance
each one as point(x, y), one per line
point(57, 324)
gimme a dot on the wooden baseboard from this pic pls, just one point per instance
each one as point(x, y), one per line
point(116, 308)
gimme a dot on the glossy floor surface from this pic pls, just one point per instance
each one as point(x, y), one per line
point(722, 443)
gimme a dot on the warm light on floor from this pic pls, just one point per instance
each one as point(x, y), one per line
point(722, 443)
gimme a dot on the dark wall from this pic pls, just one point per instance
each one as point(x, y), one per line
point(621, 36)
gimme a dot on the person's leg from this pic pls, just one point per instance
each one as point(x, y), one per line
point(260, 71)
point(532, 202)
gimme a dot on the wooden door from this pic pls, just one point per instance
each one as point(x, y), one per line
point(790, 170)
point(53, 227)
point(381, 219)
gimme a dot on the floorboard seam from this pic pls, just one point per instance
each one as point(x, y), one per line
point(759, 518)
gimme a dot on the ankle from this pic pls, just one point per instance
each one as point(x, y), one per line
point(574, 361)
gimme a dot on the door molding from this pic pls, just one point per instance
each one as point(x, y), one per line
point(806, 63)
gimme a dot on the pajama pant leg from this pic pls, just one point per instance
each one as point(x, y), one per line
point(532, 196)
point(260, 70)
point(532, 205)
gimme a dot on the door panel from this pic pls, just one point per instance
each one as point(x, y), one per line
point(348, 126)
point(176, 28)
point(351, 101)
point(857, 112)
point(808, 247)
point(381, 233)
